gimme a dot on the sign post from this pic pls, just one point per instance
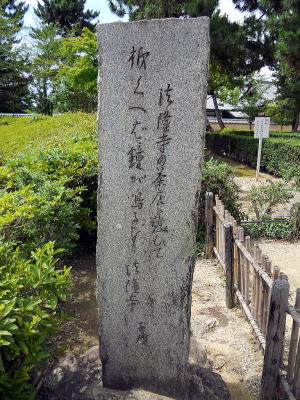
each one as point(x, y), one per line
point(262, 130)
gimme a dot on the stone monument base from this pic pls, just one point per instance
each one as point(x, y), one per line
point(79, 378)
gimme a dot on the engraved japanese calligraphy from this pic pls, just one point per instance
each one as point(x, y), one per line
point(152, 91)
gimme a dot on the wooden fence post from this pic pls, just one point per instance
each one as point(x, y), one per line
point(274, 339)
point(209, 224)
point(296, 384)
point(228, 239)
point(293, 344)
point(247, 271)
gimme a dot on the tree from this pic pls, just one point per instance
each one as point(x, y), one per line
point(14, 95)
point(45, 63)
point(250, 98)
point(76, 80)
point(281, 111)
point(252, 101)
point(288, 55)
point(236, 50)
point(67, 15)
point(151, 9)
point(281, 21)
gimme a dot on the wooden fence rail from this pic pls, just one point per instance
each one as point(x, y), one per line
point(262, 292)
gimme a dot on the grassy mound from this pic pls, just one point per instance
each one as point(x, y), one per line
point(26, 134)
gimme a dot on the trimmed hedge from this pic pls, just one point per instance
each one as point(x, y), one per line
point(275, 134)
point(280, 157)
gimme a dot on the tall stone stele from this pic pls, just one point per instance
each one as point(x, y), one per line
point(152, 98)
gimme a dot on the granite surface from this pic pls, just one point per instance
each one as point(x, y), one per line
point(152, 95)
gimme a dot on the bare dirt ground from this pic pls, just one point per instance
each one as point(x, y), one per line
point(245, 177)
point(231, 348)
point(284, 254)
point(245, 183)
point(79, 333)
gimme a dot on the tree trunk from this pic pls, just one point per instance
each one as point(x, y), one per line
point(296, 122)
point(165, 9)
point(217, 111)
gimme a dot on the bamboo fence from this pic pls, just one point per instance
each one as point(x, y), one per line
point(262, 292)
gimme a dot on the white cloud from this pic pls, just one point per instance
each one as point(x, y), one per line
point(227, 7)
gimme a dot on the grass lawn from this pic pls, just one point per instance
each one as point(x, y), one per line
point(25, 134)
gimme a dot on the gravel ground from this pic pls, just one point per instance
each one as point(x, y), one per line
point(245, 184)
point(284, 254)
point(232, 352)
point(231, 347)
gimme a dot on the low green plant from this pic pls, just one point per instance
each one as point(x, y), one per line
point(47, 199)
point(200, 243)
point(27, 134)
point(275, 230)
point(218, 178)
point(264, 198)
point(49, 194)
point(30, 289)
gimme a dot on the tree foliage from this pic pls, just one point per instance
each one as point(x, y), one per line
point(281, 21)
point(76, 81)
point(250, 98)
point(13, 80)
point(45, 52)
point(149, 9)
point(281, 111)
point(236, 50)
point(68, 15)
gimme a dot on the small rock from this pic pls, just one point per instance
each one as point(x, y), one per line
point(211, 323)
point(219, 361)
point(197, 354)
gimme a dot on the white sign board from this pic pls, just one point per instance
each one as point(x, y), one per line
point(262, 127)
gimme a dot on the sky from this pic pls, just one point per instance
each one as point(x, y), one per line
point(106, 15)
point(226, 7)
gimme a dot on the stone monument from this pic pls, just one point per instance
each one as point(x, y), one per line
point(152, 100)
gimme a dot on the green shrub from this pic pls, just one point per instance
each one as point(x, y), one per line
point(275, 230)
point(218, 178)
point(278, 154)
point(31, 217)
point(46, 194)
point(264, 198)
point(29, 293)
point(275, 134)
point(49, 195)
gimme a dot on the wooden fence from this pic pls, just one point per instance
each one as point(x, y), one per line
point(262, 292)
